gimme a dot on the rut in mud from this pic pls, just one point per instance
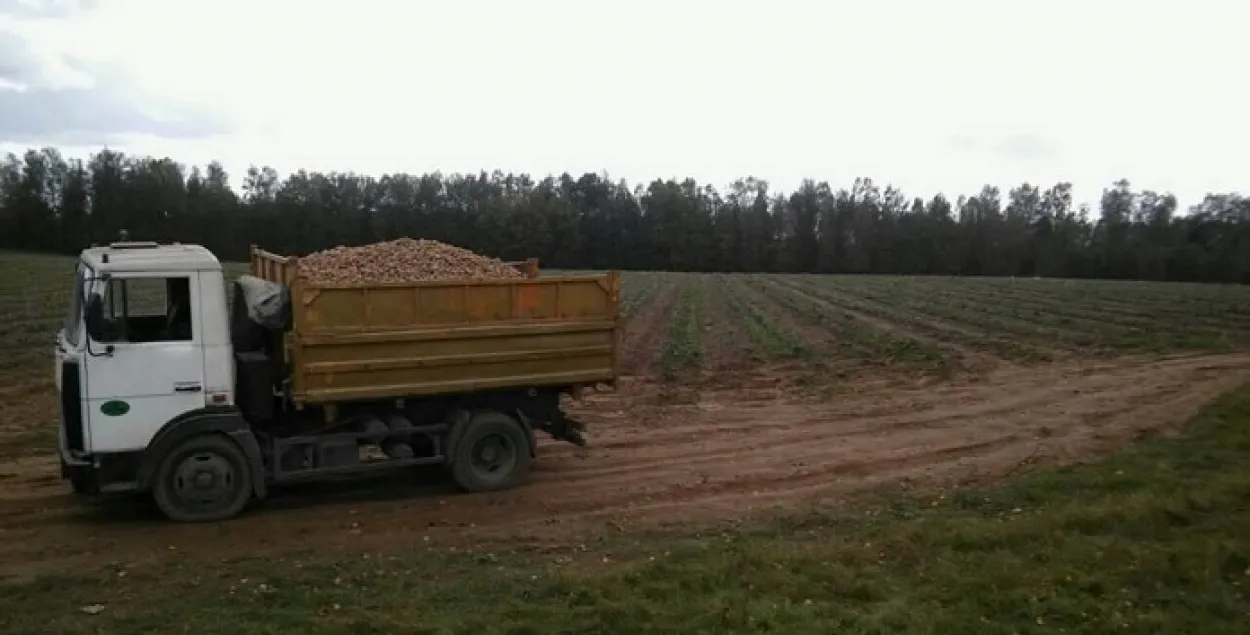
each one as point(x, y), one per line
point(708, 461)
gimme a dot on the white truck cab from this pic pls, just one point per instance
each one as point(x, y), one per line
point(146, 343)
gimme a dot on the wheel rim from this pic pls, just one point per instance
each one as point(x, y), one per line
point(204, 481)
point(494, 457)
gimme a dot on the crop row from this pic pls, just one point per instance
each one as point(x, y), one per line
point(933, 324)
point(815, 321)
point(1044, 323)
point(774, 341)
point(681, 352)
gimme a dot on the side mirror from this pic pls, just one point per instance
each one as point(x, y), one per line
point(93, 317)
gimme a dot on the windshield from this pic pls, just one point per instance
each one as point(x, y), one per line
point(73, 320)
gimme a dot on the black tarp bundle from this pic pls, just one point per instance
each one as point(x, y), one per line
point(259, 309)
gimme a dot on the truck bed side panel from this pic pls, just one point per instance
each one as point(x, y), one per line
point(365, 342)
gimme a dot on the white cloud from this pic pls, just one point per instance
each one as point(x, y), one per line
point(930, 96)
point(50, 93)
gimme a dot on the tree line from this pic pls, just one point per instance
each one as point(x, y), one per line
point(52, 203)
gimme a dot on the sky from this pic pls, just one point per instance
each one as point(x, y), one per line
point(928, 96)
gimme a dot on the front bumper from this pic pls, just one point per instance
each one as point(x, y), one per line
point(102, 475)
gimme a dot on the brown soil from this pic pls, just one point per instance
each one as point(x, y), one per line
point(721, 458)
point(29, 424)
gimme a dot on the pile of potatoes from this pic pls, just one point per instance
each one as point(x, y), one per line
point(402, 260)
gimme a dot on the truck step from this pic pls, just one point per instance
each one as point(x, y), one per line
point(291, 476)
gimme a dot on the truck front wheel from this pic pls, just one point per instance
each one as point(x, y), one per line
point(202, 479)
point(492, 454)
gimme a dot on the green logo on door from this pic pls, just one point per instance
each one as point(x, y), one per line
point(114, 408)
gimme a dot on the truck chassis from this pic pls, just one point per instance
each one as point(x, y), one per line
point(210, 465)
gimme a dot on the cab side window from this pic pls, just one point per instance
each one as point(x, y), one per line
point(148, 310)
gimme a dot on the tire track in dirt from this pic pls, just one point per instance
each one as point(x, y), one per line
point(1031, 388)
point(643, 333)
point(932, 423)
point(704, 462)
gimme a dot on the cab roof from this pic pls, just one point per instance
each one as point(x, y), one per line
point(147, 256)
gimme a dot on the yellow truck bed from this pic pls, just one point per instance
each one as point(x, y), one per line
point(353, 342)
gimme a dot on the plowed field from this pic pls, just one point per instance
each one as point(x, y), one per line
point(745, 394)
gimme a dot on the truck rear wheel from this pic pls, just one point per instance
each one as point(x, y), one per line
point(204, 478)
point(492, 454)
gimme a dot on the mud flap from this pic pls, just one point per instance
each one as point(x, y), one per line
point(566, 428)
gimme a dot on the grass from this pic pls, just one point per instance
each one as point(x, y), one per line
point(1150, 540)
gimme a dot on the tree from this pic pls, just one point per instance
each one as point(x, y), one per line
point(50, 203)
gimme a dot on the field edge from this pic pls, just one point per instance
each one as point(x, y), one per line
point(1145, 538)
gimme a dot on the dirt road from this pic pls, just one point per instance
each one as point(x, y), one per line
point(715, 459)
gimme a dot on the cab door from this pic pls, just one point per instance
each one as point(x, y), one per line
point(147, 366)
point(70, 376)
point(73, 432)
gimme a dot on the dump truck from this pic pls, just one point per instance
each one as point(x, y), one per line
point(205, 395)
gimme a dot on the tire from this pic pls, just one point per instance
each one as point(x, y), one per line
point(223, 495)
point(80, 484)
point(492, 454)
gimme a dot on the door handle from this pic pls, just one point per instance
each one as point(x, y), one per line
point(188, 388)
